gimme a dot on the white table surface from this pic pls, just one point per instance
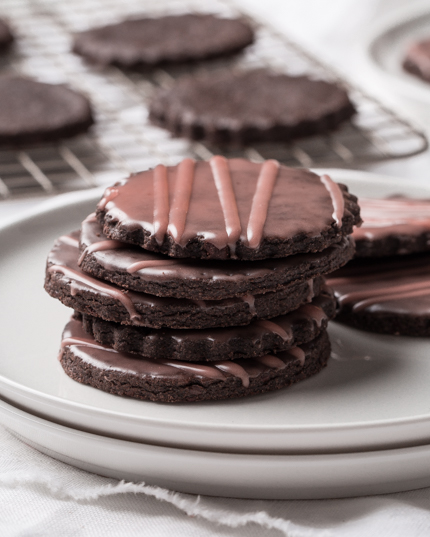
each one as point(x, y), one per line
point(42, 497)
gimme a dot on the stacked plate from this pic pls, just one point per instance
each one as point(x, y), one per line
point(361, 426)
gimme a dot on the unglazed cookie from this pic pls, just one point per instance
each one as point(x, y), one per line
point(173, 381)
point(393, 226)
point(256, 339)
point(228, 208)
point(76, 289)
point(32, 111)
point(417, 60)
point(225, 108)
point(389, 296)
point(140, 270)
point(6, 36)
point(171, 39)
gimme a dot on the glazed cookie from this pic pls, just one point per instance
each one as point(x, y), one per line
point(171, 39)
point(137, 269)
point(228, 208)
point(32, 111)
point(417, 60)
point(236, 109)
point(393, 226)
point(175, 381)
point(256, 339)
point(76, 289)
point(6, 36)
point(389, 296)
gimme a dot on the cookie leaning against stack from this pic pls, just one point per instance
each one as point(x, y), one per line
point(241, 309)
point(387, 288)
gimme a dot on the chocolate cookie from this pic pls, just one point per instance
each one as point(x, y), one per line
point(256, 339)
point(171, 39)
point(417, 60)
point(389, 296)
point(76, 289)
point(137, 269)
point(393, 226)
point(225, 108)
point(228, 208)
point(6, 36)
point(32, 111)
point(175, 381)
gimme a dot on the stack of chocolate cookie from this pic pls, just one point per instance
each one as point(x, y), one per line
point(203, 280)
point(387, 288)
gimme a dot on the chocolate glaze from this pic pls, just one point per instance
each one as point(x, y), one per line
point(256, 339)
point(140, 270)
point(66, 281)
point(227, 208)
point(397, 288)
point(174, 380)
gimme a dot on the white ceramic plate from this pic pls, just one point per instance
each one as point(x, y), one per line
point(373, 395)
point(226, 474)
point(386, 44)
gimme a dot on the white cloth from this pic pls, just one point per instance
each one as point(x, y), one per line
point(42, 497)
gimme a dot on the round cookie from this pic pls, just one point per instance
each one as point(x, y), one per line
point(149, 42)
point(389, 296)
point(6, 36)
point(417, 59)
point(32, 112)
point(258, 338)
point(175, 381)
point(228, 208)
point(139, 270)
point(236, 109)
point(76, 289)
point(393, 226)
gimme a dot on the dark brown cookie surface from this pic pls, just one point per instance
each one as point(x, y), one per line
point(393, 226)
point(6, 36)
point(170, 39)
point(175, 381)
point(389, 296)
point(76, 289)
point(32, 112)
point(256, 106)
point(137, 269)
point(259, 338)
point(417, 60)
point(228, 208)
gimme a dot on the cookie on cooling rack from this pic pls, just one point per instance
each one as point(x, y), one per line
point(393, 226)
point(33, 112)
point(6, 36)
point(148, 42)
point(228, 208)
point(417, 59)
point(76, 289)
point(388, 296)
point(140, 270)
point(175, 381)
point(236, 109)
point(258, 338)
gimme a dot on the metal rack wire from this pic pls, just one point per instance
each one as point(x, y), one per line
point(123, 141)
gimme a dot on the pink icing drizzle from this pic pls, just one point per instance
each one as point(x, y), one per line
point(260, 203)
point(234, 369)
point(250, 300)
point(224, 185)
point(336, 198)
point(275, 328)
point(110, 194)
point(271, 361)
point(181, 198)
point(101, 246)
point(315, 312)
point(299, 354)
point(161, 203)
point(139, 265)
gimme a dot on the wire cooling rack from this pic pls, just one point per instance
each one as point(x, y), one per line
point(123, 140)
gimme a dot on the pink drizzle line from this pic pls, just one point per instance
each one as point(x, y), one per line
point(224, 186)
point(234, 369)
point(394, 296)
point(69, 341)
point(260, 203)
point(99, 286)
point(139, 265)
point(181, 198)
point(315, 312)
point(70, 241)
point(101, 246)
point(161, 203)
point(110, 194)
point(298, 353)
point(336, 198)
point(250, 300)
point(275, 328)
point(271, 361)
